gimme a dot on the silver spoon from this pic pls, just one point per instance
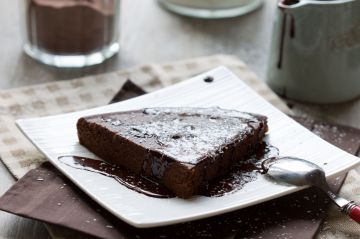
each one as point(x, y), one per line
point(300, 172)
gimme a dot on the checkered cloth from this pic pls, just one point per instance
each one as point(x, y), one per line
point(19, 155)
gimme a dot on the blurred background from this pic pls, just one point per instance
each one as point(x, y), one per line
point(148, 33)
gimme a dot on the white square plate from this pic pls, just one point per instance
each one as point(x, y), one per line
point(56, 135)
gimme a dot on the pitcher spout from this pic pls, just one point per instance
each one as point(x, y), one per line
point(290, 4)
point(295, 4)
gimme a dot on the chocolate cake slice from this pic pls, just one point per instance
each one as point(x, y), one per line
point(181, 148)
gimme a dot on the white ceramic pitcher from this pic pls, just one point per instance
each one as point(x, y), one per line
point(315, 52)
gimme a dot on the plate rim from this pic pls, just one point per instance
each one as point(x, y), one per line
point(139, 224)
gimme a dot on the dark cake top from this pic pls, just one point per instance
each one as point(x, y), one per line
point(185, 134)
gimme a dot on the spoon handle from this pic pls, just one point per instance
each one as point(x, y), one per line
point(353, 211)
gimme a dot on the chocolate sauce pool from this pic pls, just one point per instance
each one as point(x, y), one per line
point(240, 174)
point(123, 176)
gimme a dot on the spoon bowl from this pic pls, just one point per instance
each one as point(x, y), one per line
point(294, 171)
point(300, 172)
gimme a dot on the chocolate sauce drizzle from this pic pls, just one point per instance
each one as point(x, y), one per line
point(240, 174)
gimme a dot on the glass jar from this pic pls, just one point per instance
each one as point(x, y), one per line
point(211, 8)
point(70, 33)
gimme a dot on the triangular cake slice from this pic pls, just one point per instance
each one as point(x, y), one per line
point(181, 148)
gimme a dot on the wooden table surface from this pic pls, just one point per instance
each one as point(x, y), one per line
point(148, 34)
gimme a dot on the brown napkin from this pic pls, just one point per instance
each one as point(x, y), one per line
point(57, 201)
point(128, 90)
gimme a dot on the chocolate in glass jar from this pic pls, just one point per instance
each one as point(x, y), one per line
point(71, 28)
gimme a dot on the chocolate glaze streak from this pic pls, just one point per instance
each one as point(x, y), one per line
point(292, 31)
point(241, 174)
point(292, 34)
point(292, 27)
point(128, 179)
point(282, 40)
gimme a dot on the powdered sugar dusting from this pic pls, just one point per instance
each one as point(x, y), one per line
point(188, 134)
